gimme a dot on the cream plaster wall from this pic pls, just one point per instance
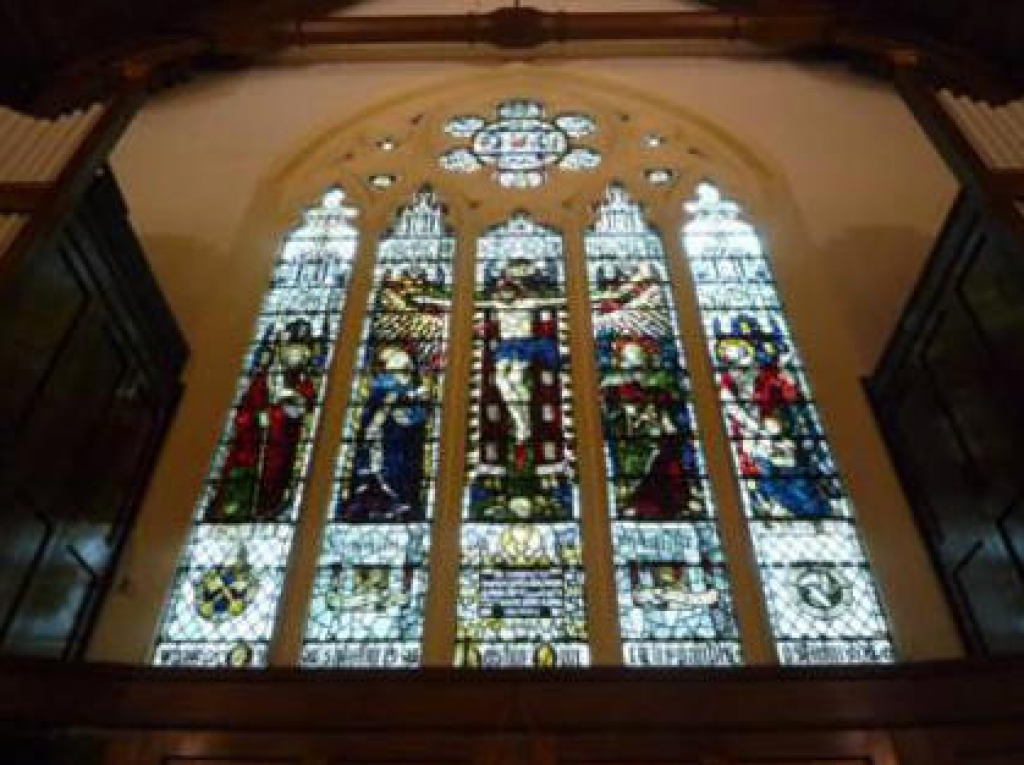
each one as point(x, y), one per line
point(868, 197)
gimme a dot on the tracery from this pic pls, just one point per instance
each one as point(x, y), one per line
point(520, 596)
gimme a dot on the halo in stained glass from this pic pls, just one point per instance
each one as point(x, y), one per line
point(675, 602)
point(224, 601)
point(371, 581)
point(822, 601)
point(521, 598)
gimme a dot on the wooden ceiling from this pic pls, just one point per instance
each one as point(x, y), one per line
point(57, 53)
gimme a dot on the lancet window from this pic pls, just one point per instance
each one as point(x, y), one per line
point(818, 586)
point(521, 599)
point(226, 592)
point(674, 599)
point(368, 598)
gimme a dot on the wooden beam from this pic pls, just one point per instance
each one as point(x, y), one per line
point(1010, 182)
point(528, 27)
point(601, 699)
point(22, 197)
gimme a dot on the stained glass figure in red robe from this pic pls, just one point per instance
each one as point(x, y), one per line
point(256, 480)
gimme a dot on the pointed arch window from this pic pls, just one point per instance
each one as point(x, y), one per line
point(367, 607)
point(674, 599)
point(519, 585)
point(226, 592)
point(818, 586)
point(521, 600)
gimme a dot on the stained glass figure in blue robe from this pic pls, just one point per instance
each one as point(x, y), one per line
point(391, 437)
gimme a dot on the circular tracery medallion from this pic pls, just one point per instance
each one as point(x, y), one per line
point(521, 144)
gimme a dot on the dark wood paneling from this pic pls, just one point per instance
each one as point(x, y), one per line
point(948, 397)
point(91, 360)
point(936, 714)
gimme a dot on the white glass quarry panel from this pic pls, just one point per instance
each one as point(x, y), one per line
point(226, 592)
point(821, 597)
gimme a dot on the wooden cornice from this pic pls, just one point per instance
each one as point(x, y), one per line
point(113, 696)
point(225, 35)
point(528, 27)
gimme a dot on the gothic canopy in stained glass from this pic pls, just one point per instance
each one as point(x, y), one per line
point(371, 581)
point(521, 600)
point(521, 145)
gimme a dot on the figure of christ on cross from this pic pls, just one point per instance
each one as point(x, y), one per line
point(518, 346)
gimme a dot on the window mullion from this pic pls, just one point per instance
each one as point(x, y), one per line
point(442, 593)
point(602, 602)
point(751, 613)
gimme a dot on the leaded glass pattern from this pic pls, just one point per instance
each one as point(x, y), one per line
point(674, 599)
point(521, 599)
point(370, 587)
point(822, 602)
point(227, 588)
point(521, 145)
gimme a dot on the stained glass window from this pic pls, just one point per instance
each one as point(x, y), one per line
point(521, 144)
point(228, 585)
point(371, 582)
point(674, 600)
point(521, 600)
point(821, 597)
